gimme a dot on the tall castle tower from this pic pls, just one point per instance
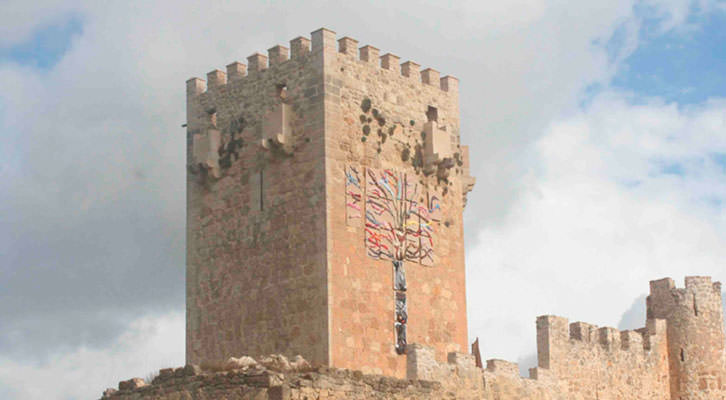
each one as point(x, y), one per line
point(695, 332)
point(325, 193)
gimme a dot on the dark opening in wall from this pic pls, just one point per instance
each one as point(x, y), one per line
point(282, 91)
point(683, 355)
point(695, 305)
point(212, 115)
point(432, 114)
point(262, 192)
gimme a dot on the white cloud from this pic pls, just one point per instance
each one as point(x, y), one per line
point(150, 343)
point(598, 219)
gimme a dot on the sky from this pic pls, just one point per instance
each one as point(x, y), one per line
point(597, 131)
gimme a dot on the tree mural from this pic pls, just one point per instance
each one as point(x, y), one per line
point(398, 227)
point(398, 218)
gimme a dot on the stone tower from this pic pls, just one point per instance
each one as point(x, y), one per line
point(695, 335)
point(325, 195)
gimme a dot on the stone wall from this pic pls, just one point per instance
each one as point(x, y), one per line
point(272, 245)
point(459, 378)
point(604, 363)
point(376, 119)
point(576, 361)
point(695, 336)
point(256, 236)
point(261, 380)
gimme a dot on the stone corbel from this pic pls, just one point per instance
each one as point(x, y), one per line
point(277, 129)
point(437, 150)
point(467, 181)
point(205, 152)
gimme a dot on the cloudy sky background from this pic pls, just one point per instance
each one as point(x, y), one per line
point(597, 133)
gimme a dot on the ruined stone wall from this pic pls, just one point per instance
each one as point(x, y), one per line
point(277, 381)
point(275, 378)
point(376, 112)
point(256, 234)
point(239, 385)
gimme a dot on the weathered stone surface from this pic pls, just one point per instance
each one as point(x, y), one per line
point(300, 364)
point(276, 362)
point(131, 384)
point(240, 363)
point(192, 370)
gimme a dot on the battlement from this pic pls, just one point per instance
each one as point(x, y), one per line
point(702, 284)
point(348, 47)
point(299, 51)
point(699, 294)
point(556, 337)
point(257, 64)
point(695, 333)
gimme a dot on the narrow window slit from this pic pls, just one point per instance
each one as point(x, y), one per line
point(282, 91)
point(695, 305)
point(262, 194)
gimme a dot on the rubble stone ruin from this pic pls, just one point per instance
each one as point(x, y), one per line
point(326, 185)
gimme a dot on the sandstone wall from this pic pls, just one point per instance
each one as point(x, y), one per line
point(376, 111)
point(272, 244)
point(604, 363)
point(256, 238)
point(695, 336)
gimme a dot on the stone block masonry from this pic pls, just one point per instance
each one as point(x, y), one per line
point(576, 361)
point(279, 241)
point(256, 236)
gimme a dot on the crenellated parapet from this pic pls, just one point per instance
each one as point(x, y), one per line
point(695, 335)
point(602, 360)
point(680, 351)
point(257, 65)
point(261, 77)
point(300, 48)
point(557, 339)
point(391, 63)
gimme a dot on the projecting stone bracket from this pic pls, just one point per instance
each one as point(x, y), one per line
point(277, 129)
point(467, 181)
point(437, 155)
point(205, 152)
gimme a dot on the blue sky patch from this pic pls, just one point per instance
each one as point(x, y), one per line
point(672, 169)
point(45, 47)
point(720, 159)
point(685, 65)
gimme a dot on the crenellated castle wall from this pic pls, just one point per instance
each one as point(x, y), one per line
point(604, 363)
point(696, 349)
point(576, 361)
